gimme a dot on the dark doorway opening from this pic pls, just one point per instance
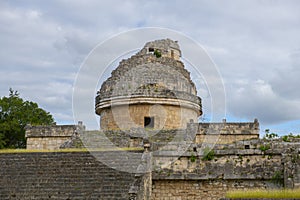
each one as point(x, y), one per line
point(148, 122)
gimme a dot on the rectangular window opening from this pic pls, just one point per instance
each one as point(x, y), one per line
point(172, 53)
point(148, 122)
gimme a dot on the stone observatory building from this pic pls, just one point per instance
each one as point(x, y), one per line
point(149, 92)
point(151, 89)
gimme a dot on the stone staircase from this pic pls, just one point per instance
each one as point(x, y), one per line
point(67, 175)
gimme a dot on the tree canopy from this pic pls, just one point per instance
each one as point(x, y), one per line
point(15, 114)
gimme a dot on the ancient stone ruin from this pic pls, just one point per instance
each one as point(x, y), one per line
point(150, 144)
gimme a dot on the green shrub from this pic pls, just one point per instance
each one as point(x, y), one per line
point(264, 147)
point(295, 158)
point(285, 138)
point(193, 158)
point(157, 53)
point(208, 154)
point(277, 178)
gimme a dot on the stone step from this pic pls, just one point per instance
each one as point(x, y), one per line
point(67, 175)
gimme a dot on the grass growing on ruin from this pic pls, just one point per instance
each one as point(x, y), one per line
point(68, 150)
point(268, 194)
point(39, 150)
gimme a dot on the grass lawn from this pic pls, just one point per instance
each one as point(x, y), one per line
point(269, 194)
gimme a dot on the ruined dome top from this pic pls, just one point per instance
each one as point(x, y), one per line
point(167, 48)
point(163, 44)
point(154, 72)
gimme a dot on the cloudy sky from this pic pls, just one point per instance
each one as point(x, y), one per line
point(254, 44)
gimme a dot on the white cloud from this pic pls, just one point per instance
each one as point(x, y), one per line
point(255, 45)
point(258, 99)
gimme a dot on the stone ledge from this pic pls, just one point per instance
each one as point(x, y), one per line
point(50, 131)
point(144, 99)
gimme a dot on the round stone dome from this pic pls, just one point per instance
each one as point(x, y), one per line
point(151, 89)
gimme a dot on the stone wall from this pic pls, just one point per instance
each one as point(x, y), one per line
point(192, 174)
point(220, 167)
point(199, 189)
point(224, 133)
point(239, 137)
point(49, 142)
point(48, 137)
point(132, 116)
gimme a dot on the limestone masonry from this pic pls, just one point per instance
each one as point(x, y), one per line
point(149, 90)
point(150, 144)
